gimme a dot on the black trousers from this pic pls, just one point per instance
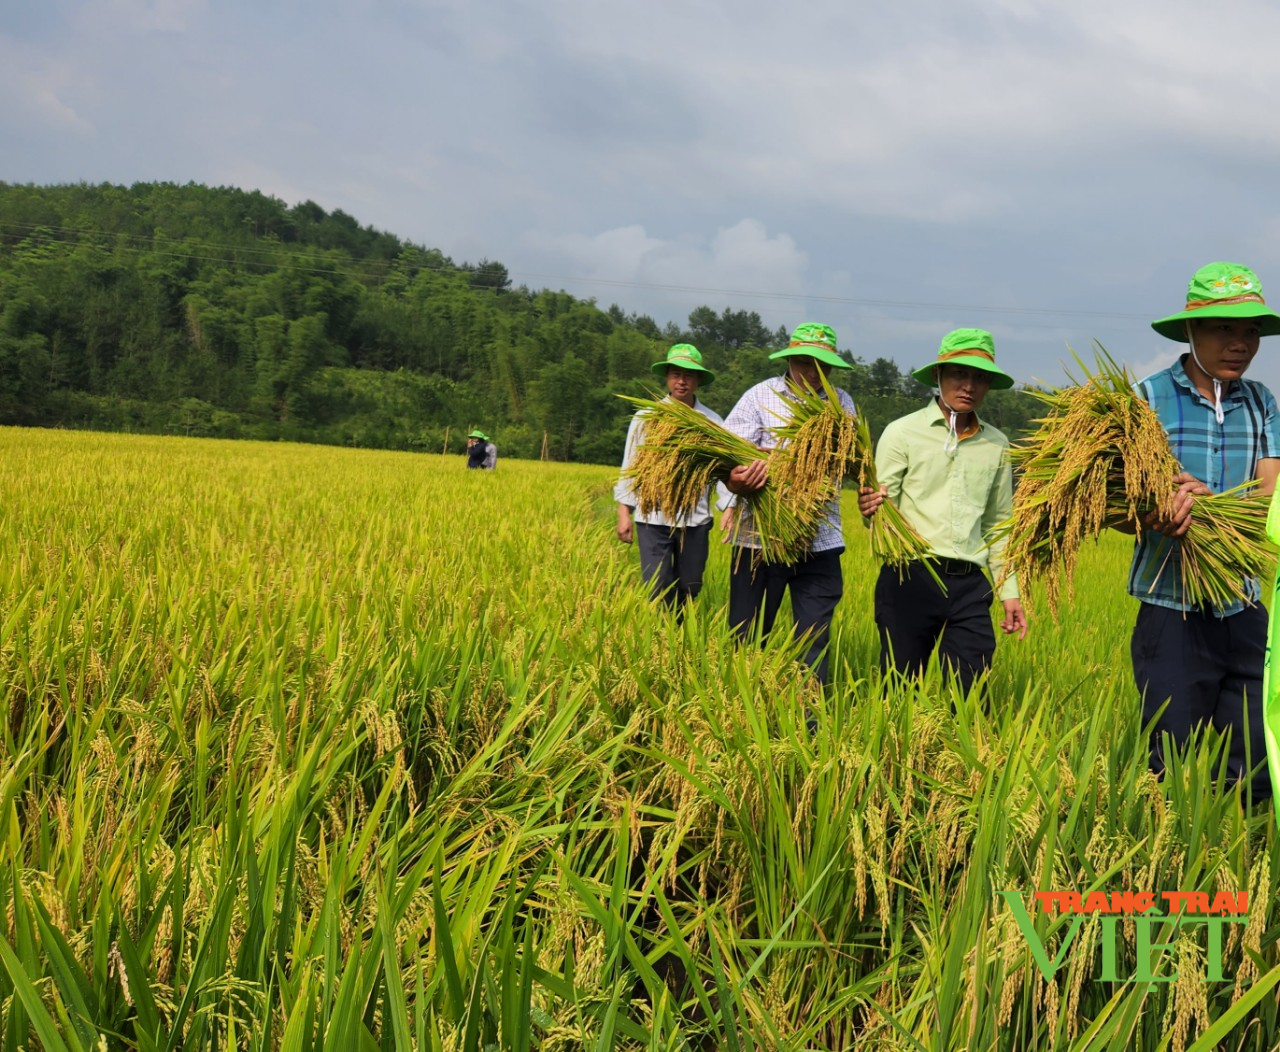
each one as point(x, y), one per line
point(1210, 669)
point(914, 616)
point(816, 584)
point(672, 559)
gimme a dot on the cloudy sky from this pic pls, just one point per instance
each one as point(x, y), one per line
point(1051, 171)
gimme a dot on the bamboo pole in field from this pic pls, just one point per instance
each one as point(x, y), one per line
point(544, 446)
point(445, 451)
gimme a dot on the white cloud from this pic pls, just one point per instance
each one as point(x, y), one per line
point(36, 87)
point(1160, 360)
point(742, 257)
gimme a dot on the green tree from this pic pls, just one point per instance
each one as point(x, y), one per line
point(490, 275)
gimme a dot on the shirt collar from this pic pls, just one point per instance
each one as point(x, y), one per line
point(780, 384)
point(697, 402)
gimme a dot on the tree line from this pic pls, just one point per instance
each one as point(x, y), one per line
point(217, 311)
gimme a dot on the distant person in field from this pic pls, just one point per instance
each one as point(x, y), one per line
point(673, 553)
point(948, 472)
point(815, 581)
point(1224, 430)
point(481, 453)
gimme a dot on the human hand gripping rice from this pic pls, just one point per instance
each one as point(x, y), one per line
point(683, 453)
point(1101, 458)
point(820, 446)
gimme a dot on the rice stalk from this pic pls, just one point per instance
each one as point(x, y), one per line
point(1225, 543)
point(894, 541)
point(821, 445)
point(614, 833)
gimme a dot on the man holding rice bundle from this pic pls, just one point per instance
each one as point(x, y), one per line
point(1224, 431)
point(948, 472)
point(815, 579)
point(673, 552)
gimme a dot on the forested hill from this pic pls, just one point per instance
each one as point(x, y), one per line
point(217, 311)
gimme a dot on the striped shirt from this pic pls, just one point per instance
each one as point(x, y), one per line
point(1219, 455)
point(758, 411)
point(624, 492)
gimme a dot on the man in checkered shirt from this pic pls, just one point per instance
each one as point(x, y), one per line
point(1207, 661)
point(816, 582)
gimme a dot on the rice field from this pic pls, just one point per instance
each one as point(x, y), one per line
point(310, 748)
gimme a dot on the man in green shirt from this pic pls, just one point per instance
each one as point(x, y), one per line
point(948, 472)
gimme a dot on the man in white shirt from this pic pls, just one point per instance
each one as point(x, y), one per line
point(816, 580)
point(673, 553)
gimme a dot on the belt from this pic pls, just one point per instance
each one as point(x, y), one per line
point(955, 567)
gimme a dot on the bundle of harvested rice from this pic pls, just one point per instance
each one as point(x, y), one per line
point(1226, 542)
point(1100, 457)
point(821, 445)
point(683, 453)
point(894, 541)
point(818, 445)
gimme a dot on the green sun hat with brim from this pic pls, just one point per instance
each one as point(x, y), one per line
point(816, 341)
point(687, 356)
point(975, 348)
point(477, 433)
point(1221, 290)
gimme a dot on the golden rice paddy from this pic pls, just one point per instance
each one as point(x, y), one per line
point(316, 748)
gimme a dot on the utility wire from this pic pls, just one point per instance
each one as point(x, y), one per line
point(372, 270)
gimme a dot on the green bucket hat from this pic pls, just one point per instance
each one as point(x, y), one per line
point(1221, 290)
point(975, 348)
point(477, 433)
point(687, 356)
point(816, 341)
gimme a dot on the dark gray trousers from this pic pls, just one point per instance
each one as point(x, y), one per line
point(914, 616)
point(1210, 669)
point(816, 584)
point(672, 559)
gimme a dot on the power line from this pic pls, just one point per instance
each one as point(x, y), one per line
point(849, 300)
point(373, 270)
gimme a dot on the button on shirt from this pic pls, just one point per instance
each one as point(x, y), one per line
point(624, 492)
point(954, 498)
point(758, 411)
point(1219, 455)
